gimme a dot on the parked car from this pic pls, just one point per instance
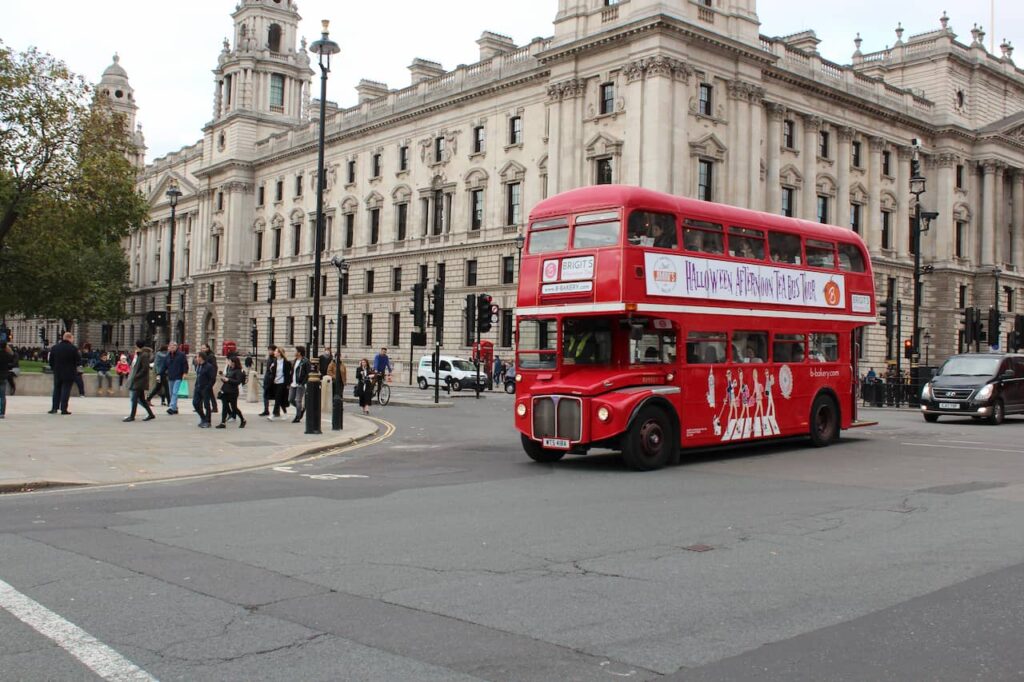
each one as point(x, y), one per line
point(985, 386)
point(456, 371)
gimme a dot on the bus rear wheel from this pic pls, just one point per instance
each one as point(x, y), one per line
point(824, 421)
point(650, 442)
point(537, 453)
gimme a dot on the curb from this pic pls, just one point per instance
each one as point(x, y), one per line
point(292, 454)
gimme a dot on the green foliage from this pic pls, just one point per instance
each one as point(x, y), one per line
point(67, 194)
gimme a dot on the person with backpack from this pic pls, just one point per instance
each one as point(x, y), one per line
point(176, 369)
point(231, 382)
point(268, 380)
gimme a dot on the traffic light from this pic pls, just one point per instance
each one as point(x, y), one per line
point(156, 318)
point(419, 311)
point(885, 315)
point(252, 336)
point(483, 313)
point(993, 326)
point(969, 335)
point(470, 315)
point(979, 328)
point(908, 349)
point(42, 335)
point(437, 306)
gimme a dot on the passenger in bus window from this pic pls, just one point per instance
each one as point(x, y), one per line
point(664, 236)
point(784, 248)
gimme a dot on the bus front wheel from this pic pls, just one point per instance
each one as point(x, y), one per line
point(650, 442)
point(824, 421)
point(537, 453)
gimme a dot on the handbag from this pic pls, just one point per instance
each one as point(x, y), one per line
point(183, 389)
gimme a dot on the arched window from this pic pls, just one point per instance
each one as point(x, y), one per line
point(274, 38)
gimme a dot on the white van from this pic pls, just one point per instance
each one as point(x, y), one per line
point(461, 373)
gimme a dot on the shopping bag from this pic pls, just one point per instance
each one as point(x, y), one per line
point(183, 389)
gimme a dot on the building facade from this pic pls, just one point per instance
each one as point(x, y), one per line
point(434, 180)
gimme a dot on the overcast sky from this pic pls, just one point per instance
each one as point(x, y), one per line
point(170, 48)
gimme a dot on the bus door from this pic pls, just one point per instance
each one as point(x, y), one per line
point(706, 382)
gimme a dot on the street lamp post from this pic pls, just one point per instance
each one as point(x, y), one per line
point(927, 343)
point(520, 242)
point(325, 47)
point(917, 188)
point(338, 404)
point(994, 331)
point(173, 194)
point(271, 292)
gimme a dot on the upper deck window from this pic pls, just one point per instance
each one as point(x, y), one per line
point(700, 235)
point(647, 228)
point(746, 243)
point(784, 248)
point(850, 258)
point(596, 229)
point(549, 235)
point(821, 254)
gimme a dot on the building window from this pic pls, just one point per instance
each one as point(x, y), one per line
point(255, 291)
point(476, 209)
point(607, 98)
point(274, 38)
point(603, 172)
point(856, 154)
point(276, 90)
point(962, 296)
point(296, 239)
point(374, 225)
point(508, 269)
point(855, 217)
point(960, 243)
point(439, 271)
point(402, 220)
point(507, 327)
point(959, 176)
point(438, 149)
point(705, 104)
point(823, 144)
point(298, 185)
point(396, 329)
point(368, 330)
point(351, 171)
point(478, 140)
point(822, 208)
point(369, 281)
point(705, 178)
point(216, 249)
point(886, 163)
point(277, 242)
point(323, 285)
point(886, 229)
point(279, 191)
point(513, 203)
point(350, 230)
point(403, 157)
point(220, 201)
point(789, 134)
point(291, 330)
point(788, 200)
point(471, 273)
point(375, 165)
point(260, 191)
point(438, 213)
point(396, 279)
point(1008, 295)
point(344, 283)
point(515, 130)
point(259, 246)
point(423, 273)
point(344, 330)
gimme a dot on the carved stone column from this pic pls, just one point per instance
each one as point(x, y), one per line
point(845, 135)
point(656, 169)
point(773, 188)
point(737, 189)
point(572, 137)
point(988, 212)
point(808, 198)
point(873, 224)
point(939, 242)
point(681, 72)
point(901, 229)
point(756, 195)
point(999, 214)
point(1018, 218)
point(554, 139)
point(632, 148)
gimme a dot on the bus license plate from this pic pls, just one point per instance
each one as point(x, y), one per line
point(949, 406)
point(560, 443)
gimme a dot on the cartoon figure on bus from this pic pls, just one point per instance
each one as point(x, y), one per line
point(711, 389)
point(749, 410)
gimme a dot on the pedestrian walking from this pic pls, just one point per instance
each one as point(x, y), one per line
point(138, 381)
point(7, 363)
point(231, 381)
point(206, 375)
point(297, 388)
point(282, 370)
point(324, 361)
point(103, 368)
point(63, 359)
point(268, 380)
point(160, 369)
point(211, 358)
point(364, 385)
point(176, 370)
point(496, 371)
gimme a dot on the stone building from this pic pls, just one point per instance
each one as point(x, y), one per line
point(433, 180)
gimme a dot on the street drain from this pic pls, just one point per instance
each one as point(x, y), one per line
point(699, 548)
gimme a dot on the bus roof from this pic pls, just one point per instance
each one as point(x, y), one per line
point(597, 197)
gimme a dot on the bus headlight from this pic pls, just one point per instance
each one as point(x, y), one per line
point(519, 378)
point(670, 376)
point(604, 414)
point(926, 392)
point(521, 409)
point(985, 393)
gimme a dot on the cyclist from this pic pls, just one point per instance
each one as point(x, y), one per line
point(381, 366)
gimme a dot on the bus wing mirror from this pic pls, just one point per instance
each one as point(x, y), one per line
point(636, 332)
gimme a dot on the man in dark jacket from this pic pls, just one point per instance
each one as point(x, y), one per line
point(268, 381)
point(206, 375)
point(297, 387)
point(64, 360)
point(138, 381)
point(177, 368)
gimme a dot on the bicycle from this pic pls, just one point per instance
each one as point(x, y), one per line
point(381, 390)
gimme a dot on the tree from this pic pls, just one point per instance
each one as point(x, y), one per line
point(67, 194)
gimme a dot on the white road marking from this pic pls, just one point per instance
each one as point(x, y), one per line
point(95, 655)
point(961, 447)
point(285, 470)
point(331, 477)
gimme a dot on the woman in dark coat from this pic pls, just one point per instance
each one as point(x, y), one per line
point(139, 383)
point(206, 375)
point(364, 385)
point(231, 381)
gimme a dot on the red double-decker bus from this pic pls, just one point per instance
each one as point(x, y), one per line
point(648, 323)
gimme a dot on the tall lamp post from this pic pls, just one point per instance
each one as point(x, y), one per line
point(917, 188)
point(338, 405)
point(325, 47)
point(271, 293)
point(173, 194)
point(993, 331)
point(520, 243)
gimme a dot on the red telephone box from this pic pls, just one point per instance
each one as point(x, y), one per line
point(228, 347)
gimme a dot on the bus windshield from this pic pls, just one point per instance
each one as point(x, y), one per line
point(586, 341)
point(536, 336)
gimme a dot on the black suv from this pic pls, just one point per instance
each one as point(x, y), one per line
point(980, 385)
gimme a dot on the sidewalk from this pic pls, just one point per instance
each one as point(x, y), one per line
point(93, 446)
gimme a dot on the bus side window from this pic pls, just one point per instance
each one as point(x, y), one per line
point(784, 248)
point(746, 243)
point(705, 348)
point(749, 346)
point(702, 236)
point(788, 348)
point(850, 258)
point(824, 348)
point(821, 254)
point(647, 228)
